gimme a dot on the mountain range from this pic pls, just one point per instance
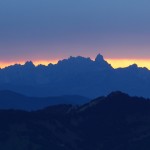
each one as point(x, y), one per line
point(13, 100)
point(116, 122)
point(75, 76)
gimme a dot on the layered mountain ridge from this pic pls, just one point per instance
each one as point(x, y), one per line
point(13, 100)
point(116, 121)
point(75, 76)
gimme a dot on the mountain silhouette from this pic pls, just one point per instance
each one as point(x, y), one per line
point(116, 121)
point(13, 100)
point(75, 76)
point(99, 60)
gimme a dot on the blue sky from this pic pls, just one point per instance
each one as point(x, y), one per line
point(56, 29)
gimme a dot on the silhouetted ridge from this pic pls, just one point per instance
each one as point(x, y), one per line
point(99, 60)
point(75, 76)
point(13, 100)
point(29, 64)
point(75, 61)
point(133, 67)
point(102, 124)
point(119, 100)
point(118, 95)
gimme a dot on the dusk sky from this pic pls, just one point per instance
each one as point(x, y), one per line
point(48, 30)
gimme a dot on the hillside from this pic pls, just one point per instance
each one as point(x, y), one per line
point(117, 122)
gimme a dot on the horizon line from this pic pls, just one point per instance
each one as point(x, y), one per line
point(114, 62)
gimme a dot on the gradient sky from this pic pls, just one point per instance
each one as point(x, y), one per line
point(47, 30)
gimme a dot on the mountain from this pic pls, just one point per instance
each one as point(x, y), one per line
point(75, 76)
point(12, 100)
point(116, 122)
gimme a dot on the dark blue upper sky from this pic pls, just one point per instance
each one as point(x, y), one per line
point(54, 29)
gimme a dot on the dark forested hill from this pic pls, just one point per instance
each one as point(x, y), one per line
point(116, 122)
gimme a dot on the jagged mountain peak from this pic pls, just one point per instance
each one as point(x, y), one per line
point(29, 64)
point(102, 62)
point(99, 58)
point(77, 59)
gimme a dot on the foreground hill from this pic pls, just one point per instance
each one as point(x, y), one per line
point(116, 122)
point(75, 76)
point(12, 100)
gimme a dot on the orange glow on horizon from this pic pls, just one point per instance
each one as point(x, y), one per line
point(44, 62)
point(115, 62)
point(36, 63)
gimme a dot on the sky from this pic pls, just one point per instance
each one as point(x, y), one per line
point(48, 30)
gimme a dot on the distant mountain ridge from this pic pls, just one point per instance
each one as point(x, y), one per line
point(75, 76)
point(13, 100)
